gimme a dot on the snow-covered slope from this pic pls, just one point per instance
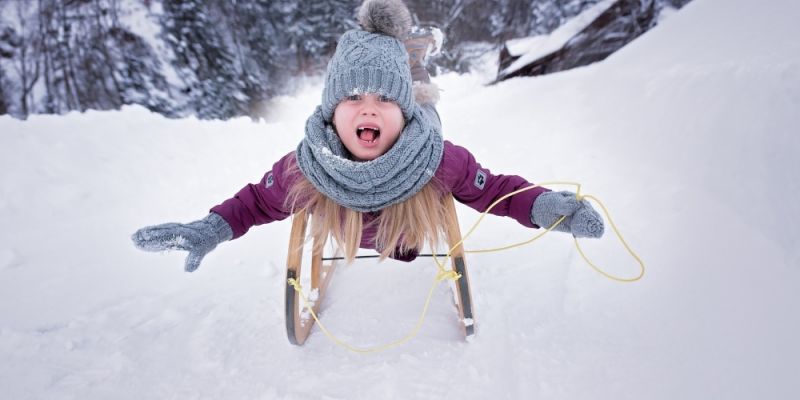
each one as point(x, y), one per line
point(686, 135)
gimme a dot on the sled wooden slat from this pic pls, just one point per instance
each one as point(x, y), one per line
point(297, 327)
point(458, 262)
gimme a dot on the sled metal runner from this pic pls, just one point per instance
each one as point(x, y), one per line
point(299, 323)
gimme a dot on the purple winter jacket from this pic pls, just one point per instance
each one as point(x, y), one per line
point(458, 172)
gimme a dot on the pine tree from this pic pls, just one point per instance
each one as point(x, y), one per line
point(314, 28)
point(54, 33)
point(203, 60)
point(7, 36)
point(137, 69)
point(251, 36)
point(4, 103)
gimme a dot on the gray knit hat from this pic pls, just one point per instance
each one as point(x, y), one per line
point(372, 59)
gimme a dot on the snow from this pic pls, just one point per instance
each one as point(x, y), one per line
point(8, 13)
point(438, 41)
point(143, 21)
point(535, 47)
point(687, 135)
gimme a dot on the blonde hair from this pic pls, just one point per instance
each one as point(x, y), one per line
point(401, 227)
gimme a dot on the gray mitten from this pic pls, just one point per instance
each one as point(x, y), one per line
point(198, 238)
point(581, 219)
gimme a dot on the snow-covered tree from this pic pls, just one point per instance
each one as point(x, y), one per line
point(202, 58)
point(137, 71)
point(4, 107)
point(84, 58)
point(6, 52)
point(314, 27)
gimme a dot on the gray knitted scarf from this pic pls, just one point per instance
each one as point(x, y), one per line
point(370, 185)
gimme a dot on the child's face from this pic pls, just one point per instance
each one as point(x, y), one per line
point(368, 125)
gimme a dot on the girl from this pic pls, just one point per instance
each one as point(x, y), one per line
point(373, 168)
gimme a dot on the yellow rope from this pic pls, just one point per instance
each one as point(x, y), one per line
point(439, 278)
point(585, 258)
point(445, 274)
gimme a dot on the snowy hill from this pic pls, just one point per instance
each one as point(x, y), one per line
point(687, 135)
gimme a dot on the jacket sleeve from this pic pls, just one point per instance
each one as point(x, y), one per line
point(259, 203)
point(477, 187)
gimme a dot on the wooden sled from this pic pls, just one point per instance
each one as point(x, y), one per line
point(299, 321)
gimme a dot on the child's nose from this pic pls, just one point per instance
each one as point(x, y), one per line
point(369, 106)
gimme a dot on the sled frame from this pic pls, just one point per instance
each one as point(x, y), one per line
point(298, 328)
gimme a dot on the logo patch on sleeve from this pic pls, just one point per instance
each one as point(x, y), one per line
point(270, 180)
point(480, 180)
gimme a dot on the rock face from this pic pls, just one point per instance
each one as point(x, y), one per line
point(612, 29)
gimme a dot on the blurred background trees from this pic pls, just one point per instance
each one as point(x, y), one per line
point(215, 58)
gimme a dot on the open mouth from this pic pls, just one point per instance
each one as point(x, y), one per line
point(368, 133)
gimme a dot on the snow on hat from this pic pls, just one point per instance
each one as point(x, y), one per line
point(372, 59)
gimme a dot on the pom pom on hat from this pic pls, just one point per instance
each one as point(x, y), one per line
point(387, 17)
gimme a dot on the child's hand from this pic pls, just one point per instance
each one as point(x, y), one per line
point(198, 238)
point(581, 219)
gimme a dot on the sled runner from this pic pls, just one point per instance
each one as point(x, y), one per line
point(299, 321)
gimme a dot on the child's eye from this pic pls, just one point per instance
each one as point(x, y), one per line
point(353, 97)
point(384, 99)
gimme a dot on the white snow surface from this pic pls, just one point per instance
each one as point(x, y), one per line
point(688, 135)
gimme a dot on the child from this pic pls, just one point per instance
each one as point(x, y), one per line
point(373, 168)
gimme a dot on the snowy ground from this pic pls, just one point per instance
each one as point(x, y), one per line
point(688, 135)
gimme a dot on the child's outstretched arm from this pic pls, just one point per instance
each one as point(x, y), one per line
point(198, 238)
point(254, 204)
point(477, 187)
